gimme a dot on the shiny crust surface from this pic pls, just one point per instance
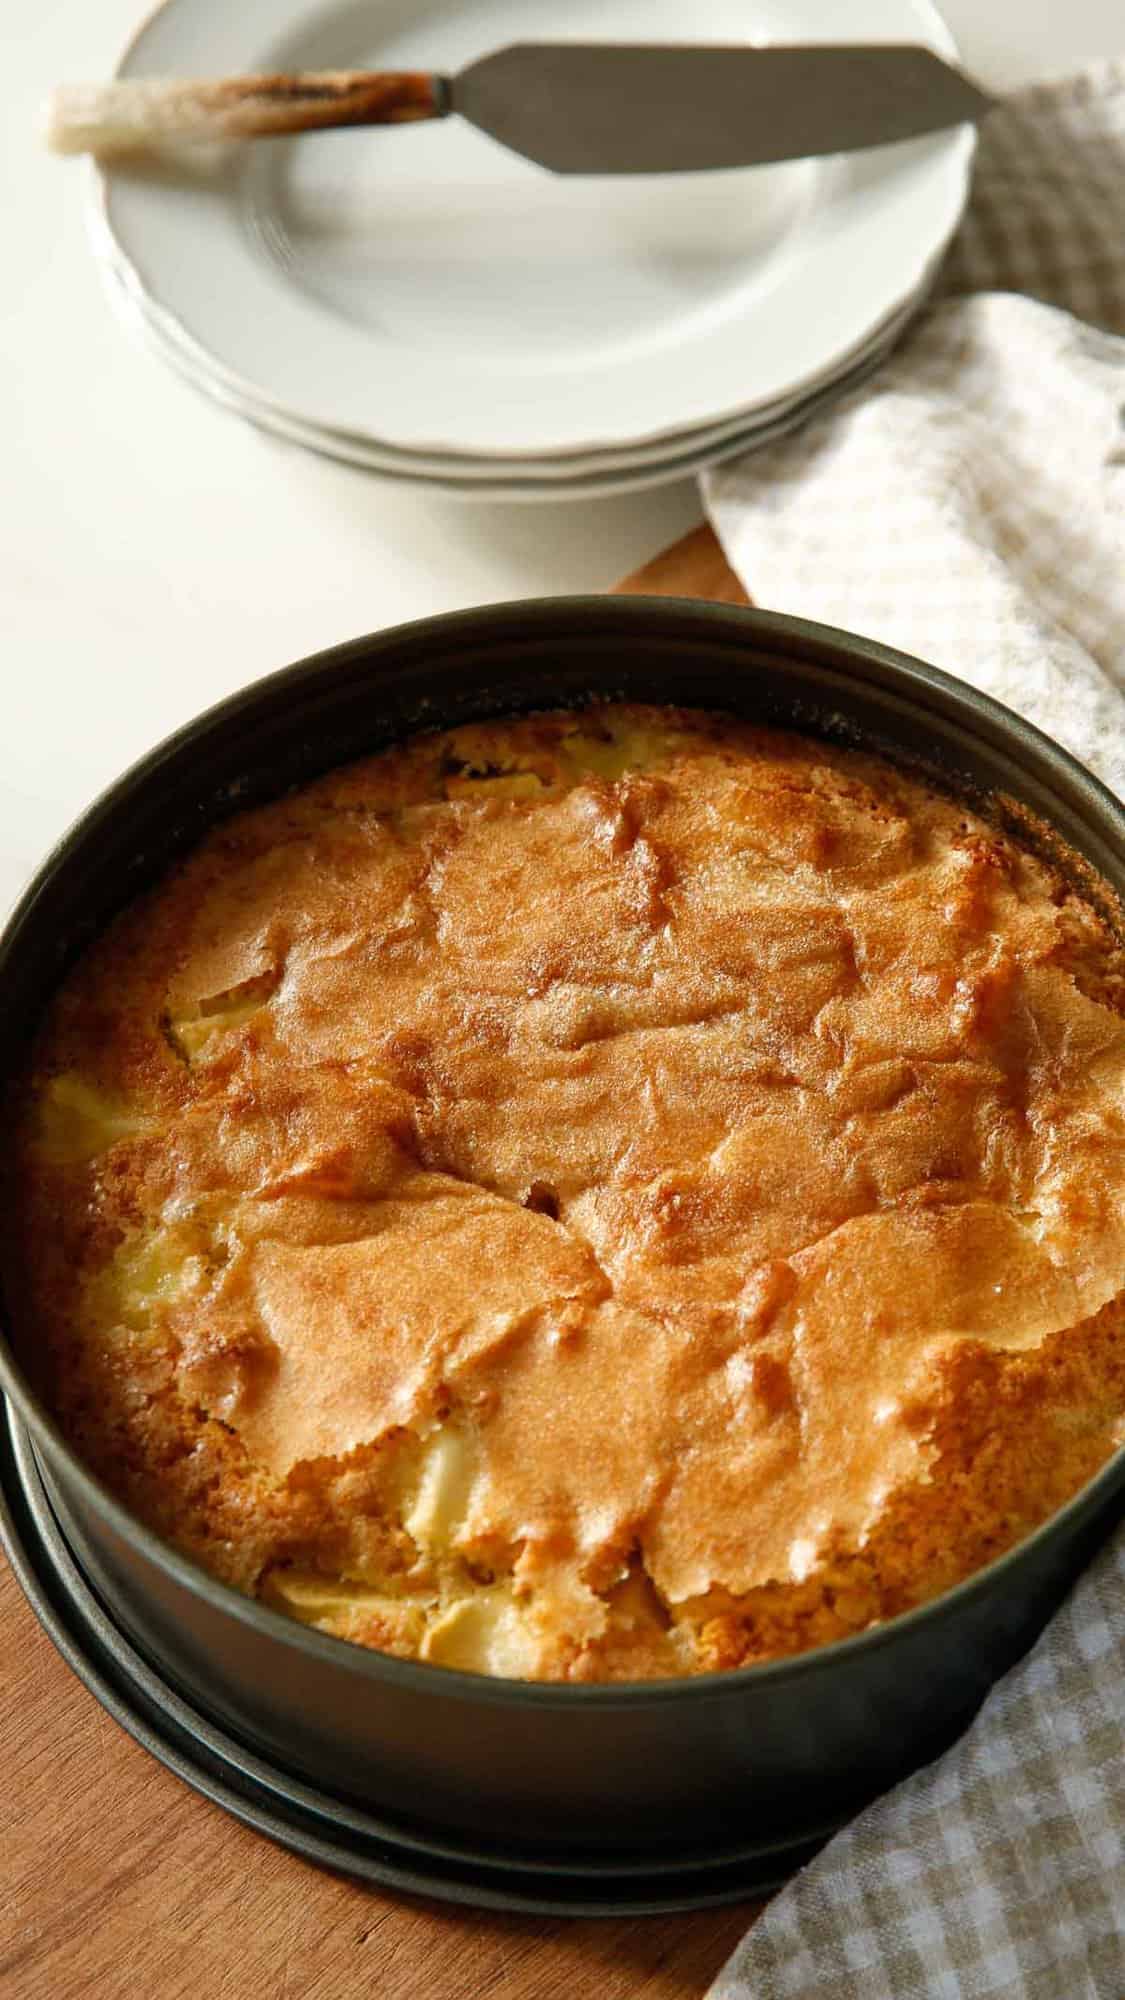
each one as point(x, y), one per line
point(594, 1196)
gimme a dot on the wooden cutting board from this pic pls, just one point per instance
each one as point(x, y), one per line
point(693, 567)
point(116, 1880)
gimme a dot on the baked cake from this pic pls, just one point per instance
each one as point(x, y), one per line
point(588, 1197)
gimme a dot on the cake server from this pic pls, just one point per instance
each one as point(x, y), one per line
point(571, 107)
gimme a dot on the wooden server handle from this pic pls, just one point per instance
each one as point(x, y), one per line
point(128, 116)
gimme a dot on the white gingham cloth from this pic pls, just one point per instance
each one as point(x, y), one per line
point(968, 505)
point(999, 1870)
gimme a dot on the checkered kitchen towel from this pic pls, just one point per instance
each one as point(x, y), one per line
point(968, 505)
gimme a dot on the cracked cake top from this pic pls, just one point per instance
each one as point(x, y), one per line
point(589, 1196)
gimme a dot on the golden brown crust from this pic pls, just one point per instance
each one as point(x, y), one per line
point(593, 1196)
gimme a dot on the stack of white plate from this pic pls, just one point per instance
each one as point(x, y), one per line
point(421, 302)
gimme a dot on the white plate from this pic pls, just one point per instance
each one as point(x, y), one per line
point(680, 458)
point(424, 288)
point(193, 362)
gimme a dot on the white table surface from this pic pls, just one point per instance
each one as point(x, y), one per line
point(156, 553)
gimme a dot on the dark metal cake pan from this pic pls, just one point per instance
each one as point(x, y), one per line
point(620, 1781)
